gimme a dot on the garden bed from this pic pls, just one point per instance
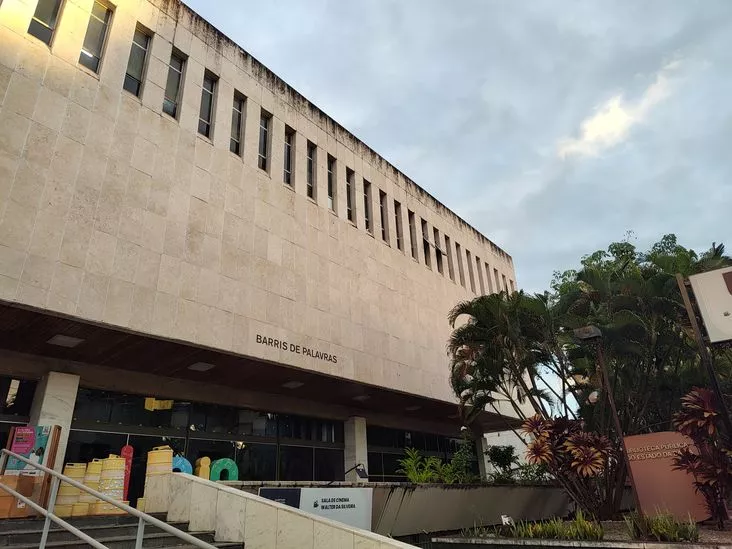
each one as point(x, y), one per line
point(616, 537)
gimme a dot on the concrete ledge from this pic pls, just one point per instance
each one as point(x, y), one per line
point(506, 543)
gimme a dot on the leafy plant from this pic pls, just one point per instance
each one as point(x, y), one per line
point(710, 463)
point(516, 351)
point(661, 527)
point(504, 462)
point(421, 469)
point(579, 529)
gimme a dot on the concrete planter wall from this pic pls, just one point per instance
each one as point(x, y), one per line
point(409, 509)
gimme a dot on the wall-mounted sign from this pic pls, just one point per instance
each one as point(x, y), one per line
point(294, 348)
point(660, 487)
point(713, 293)
point(352, 506)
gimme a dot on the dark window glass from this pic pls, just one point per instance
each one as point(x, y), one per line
point(426, 244)
point(367, 206)
point(375, 467)
point(461, 270)
point(412, 233)
point(312, 152)
point(289, 144)
point(349, 194)
point(172, 86)
point(44, 20)
point(136, 63)
point(237, 123)
point(391, 466)
point(205, 117)
point(398, 225)
point(438, 250)
point(448, 251)
point(329, 465)
point(296, 463)
point(471, 276)
point(304, 428)
point(264, 123)
point(257, 462)
point(96, 33)
point(331, 182)
point(479, 273)
point(384, 217)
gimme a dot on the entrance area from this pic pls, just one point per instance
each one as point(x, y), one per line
point(265, 446)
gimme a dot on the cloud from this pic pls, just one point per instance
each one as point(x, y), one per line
point(612, 122)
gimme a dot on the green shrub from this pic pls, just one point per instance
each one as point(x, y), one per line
point(579, 529)
point(661, 527)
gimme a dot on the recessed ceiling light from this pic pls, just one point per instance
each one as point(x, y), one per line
point(293, 384)
point(201, 367)
point(64, 341)
point(361, 398)
point(412, 408)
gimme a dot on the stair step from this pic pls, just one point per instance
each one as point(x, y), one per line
point(9, 525)
point(14, 537)
point(157, 540)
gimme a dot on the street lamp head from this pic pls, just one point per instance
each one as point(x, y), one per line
point(587, 333)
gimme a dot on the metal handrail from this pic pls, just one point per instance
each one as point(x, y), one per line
point(143, 518)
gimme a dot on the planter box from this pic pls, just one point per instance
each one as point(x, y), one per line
point(409, 509)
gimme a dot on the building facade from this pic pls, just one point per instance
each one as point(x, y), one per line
point(177, 222)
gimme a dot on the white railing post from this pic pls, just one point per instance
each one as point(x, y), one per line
point(51, 502)
point(140, 533)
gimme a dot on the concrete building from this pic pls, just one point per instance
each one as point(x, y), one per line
point(177, 222)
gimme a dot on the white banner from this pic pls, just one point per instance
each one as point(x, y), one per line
point(713, 293)
point(352, 506)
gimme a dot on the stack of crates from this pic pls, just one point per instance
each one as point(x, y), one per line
point(111, 484)
point(68, 496)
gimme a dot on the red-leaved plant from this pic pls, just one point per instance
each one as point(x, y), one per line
point(709, 462)
point(572, 455)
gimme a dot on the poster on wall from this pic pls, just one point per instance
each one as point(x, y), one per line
point(33, 442)
point(352, 506)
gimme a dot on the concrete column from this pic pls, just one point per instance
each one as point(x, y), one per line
point(481, 447)
point(356, 447)
point(53, 404)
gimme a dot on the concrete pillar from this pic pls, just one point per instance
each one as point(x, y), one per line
point(356, 450)
point(481, 447)
point(53, 404)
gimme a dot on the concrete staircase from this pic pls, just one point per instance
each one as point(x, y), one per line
point(116, 532)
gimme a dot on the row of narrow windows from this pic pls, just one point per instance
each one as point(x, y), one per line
point(43, 26)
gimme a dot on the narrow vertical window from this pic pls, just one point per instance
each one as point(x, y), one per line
point(498, 280)
point(137, 62)
point(350, 176)
point(289, 147)
point(426, 244)
point(331, 182)
point(367, 206)
point(172, 86)
point(450, 264)
point(398, 225)
point(461, 269)
point(480, 275)
point(205, 116)
point(413, 234)
point(312, 162)
point(43, 24)
point(265, 121)
point(488, 278)
point(96, 34)
point(513, 285)
point(438, 251)
point(384, 217)
point(505, 285)
point(237, 123)
point(469, 261)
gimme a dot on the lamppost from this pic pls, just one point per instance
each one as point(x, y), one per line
point(590, 335)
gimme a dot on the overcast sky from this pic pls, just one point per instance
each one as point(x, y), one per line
point(551, 126)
